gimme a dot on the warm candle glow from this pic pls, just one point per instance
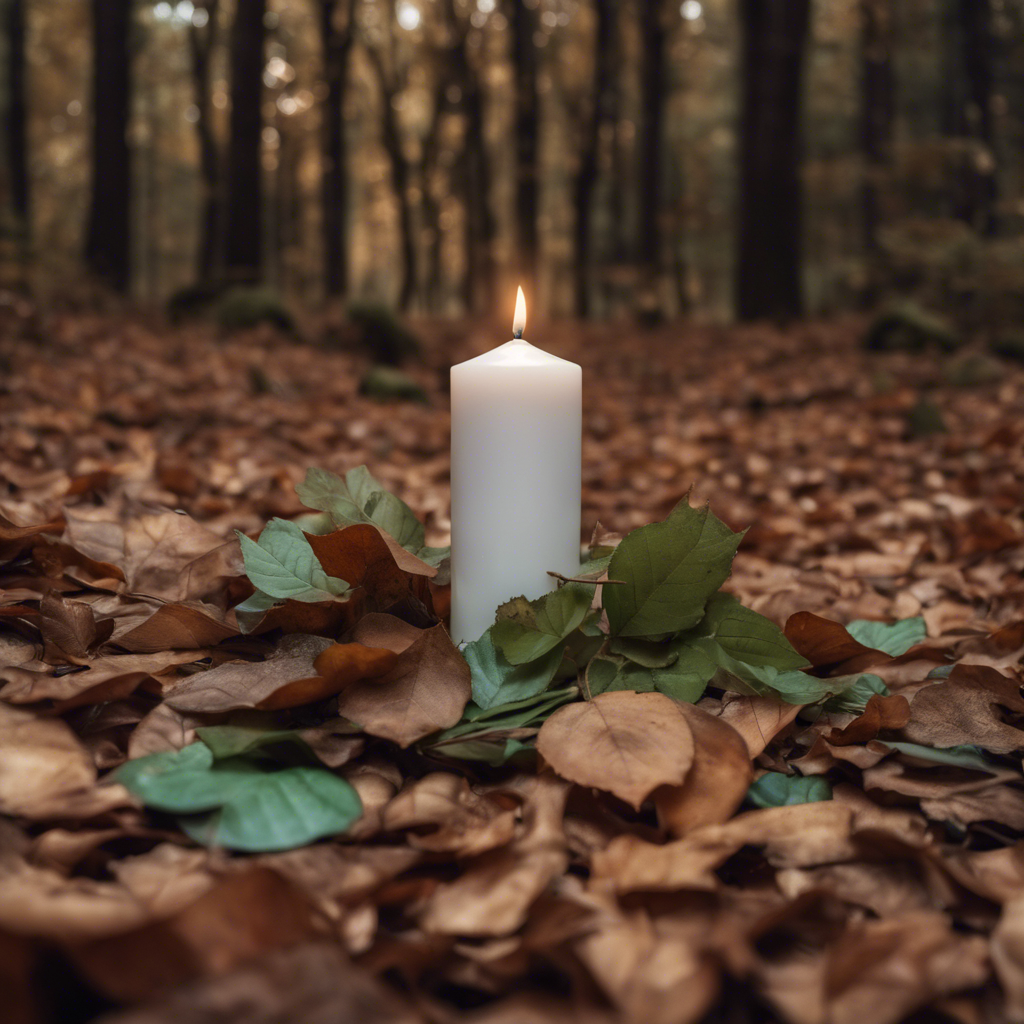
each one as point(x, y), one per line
point(519, 320)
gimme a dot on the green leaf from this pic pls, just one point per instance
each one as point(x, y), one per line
point(747, 636)
point(791, 685)
point(647, 653)
point(670, 570)
point(514, 715)
point(526, 630)
point(685, 678)
point(962, 756)
point(496, 681)
point(494, 752)
point(251, 611)
point(282, 565)
point(854, 699)
point(361, 498)
point(774, 789)
point(227, 741)
point(894, 639)
point(247, 807)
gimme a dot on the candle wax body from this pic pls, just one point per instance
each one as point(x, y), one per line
point(516, 448)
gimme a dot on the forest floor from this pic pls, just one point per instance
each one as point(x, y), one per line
point(872, 486)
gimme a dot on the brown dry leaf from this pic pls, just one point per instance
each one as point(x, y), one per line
point(757, 719)
point(248, 913)
point(70, 626)
point(14, 539)
point(966, 708)
point(717, 781)
point(361, 556)
point(827, 644)
point(626, 743)
point(1008, 957)
point(881, 713)
point(379, 630)
point(463, 822)
point(319, 618)
point(1001, 804)
point(880, 971)
point(494, 895)
point(427, 690)
point(630, 864)
point(164, 729)
point(175, 627)
point(309, 984)
point(106, 678)
point(45, 772)
point(244, 684)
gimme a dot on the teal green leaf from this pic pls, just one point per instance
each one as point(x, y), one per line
point(894, 639)
point(962, 756)
point(670, 570)
point(791, 685)
point(747, 636)
point(251, 611)
point(859, 690)
point(282, 565)
point(361, 498)
point(774, 789)
point(227, 741)
point(240, 805)
point(526, 630)
point(496, 681)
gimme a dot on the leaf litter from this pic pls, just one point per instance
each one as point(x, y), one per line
point(248, 780)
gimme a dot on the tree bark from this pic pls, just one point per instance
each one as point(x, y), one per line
point(768, 272)
point(243, 255)
point(107, 243)
point(876, 113)
point(653, 99)
point(202, 41)
point(978, 46)
point(527, 123)
point(602, 90)
point(337, 46)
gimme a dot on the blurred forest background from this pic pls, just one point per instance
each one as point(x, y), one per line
point(709, 158)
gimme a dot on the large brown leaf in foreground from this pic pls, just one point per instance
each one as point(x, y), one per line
point(427, 690)
point(623, 742)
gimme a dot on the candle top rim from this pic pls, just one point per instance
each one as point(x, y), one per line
point(516, 354)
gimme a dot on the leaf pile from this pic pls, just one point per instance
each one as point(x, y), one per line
point(252, 780)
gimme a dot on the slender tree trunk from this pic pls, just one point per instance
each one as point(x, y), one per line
point(243, 256)
point(203, 39)
point(978, 46)
point(337, 46)
point(527, 125)
point(653, 99)
point(481, 224)
point(602, 89)
point(17, 133)
point(876, 114)
point(107, 243)
point(768, 276)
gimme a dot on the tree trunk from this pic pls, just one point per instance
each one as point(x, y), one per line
point(243, 256)
point(337, 45)
point(107, 243)
point(978, 45)
point(602, 90)
point(203, 40)
point(481, 283)
point(768, 273)
point(653, 99)
point(17, 137)
point(876, 114)
point(527, 122)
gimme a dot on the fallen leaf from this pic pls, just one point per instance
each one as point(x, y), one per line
point(243, 684)
point(624, 742)
point(757, 719)
point(427, 690)
point(828, 645)
point(1008, 957)
point(881, 713)
point(174, 627)
point(716, 782)
point(378, 630)
point(70, 626)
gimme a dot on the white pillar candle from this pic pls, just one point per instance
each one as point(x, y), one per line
point(516, 449)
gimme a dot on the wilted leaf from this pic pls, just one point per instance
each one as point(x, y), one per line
point(178, 627)
point(496, 681)
point(894, 639)
point(670, 570)
point(626, 743)
point(716, 782)
point(67, 625)
point(282, 565)
point(427, 690)
point(879, 714)
point(827, 644)
point(377, 630)
point(244, 684)
point(249, 808)
point(527, 630)
point(776, 789)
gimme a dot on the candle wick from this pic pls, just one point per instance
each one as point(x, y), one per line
point(517, 335)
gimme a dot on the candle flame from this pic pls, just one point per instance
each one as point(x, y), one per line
point(519, 320)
